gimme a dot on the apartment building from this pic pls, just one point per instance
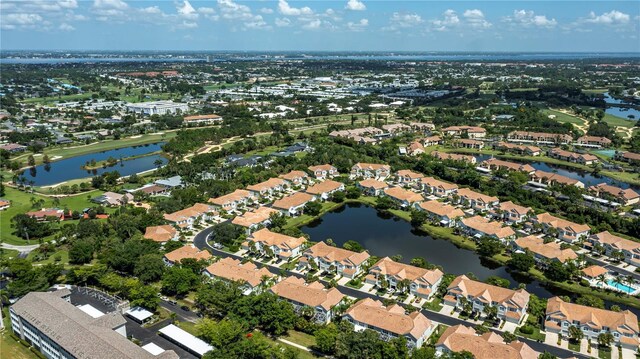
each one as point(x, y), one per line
point(282, 246)
point(252, 278)
point(612, 243)
point(444, 214)
point(566, 230)
point(235, 200)
point(324, 171)
point(331, 259)
point(542, 252)
point(370, 170)
point(420, 282)
point(461, 338)
point(302, 294)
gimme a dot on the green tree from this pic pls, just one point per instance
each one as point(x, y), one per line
point(145, 296)
point(575, 333)
point(488, 247)
point(605, 339)
point(81, 252)
point(313, 208)
point(326, 339)
point(149, 268)
point(179, 281)
point(521, 262)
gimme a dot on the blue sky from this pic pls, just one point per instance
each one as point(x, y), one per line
point(363, 25)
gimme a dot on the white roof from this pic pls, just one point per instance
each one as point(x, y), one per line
point(91, 310)
point(153, 349)
point(139, 313)
point(185, 339)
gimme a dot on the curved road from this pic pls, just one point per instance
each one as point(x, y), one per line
point(201, 241)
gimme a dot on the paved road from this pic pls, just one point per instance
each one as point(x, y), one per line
point(183, 315)
point(200, 241)
point(24, 249)
point(613, 268)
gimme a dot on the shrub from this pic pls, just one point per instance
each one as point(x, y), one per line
point(526, 329)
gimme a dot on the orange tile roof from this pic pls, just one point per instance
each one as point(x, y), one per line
point(335, 254)
point(293, 175)
point(294, 200)
point(196, 210)
point(392, 318)
point(432, 182)
point(624, 322)
point(594, 271)
point(162, 233)
point(441, 209)
point(373, 183)
point(232, 269)
point(489, 293)
point(326, 167)
point(617, 242)
point(402, 194)
point(556, 222)
point(268, 184)
point(460, 338)
point(477, 196)
point(509, 206)
point(251, 218)
point(235, 196)
point(488, 227)
point(187, 252)
point(311, 294)
point(269, 238)
point(551, 250)
point(410, 174)
point(324, 187)
point(386, 266)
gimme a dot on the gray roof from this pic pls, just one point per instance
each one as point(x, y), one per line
point(174, 181)
point(78, 333)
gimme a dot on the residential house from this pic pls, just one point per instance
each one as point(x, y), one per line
point(415, 148)
point(476, 200)
point(13, 147)
point(593, 142)
point(542, 252)
point(113, 199)
point(519, 149)
point(490, 345)
point(47, 214)
point(442, 213)
point(512, 213)
point(511, 304)
point(4, 204)
point(324, 171)
point(187, 217)
point(432, 141)
point(626, 197)
point(314, 295)
point(334, 260)
point(396, 128)
point(323, 190)
point(293, 205)
point(372, 187)
point(622, 325)
point(234, 200)
point(469, 143)
point(612, 243)
point(420, 282)
point(255, 219)
point(566, 230)
point(171, 182)
point(539, 137)
point(251, 277)
point(268, 187)
point(188, 251)
point(470, 131)
point(161, 234)
point(479, 227)
point(296, 178)
point(202, 119)
point(423, 127)
point(370, 170)
point(453, 157)
point(408, 177)
point(548, 178)
point(495, 164)
point(403, 197)
point(438, 188)
point(593, 273)
point(580, 158)
point(275, 244)
point(629, 157)
point(390, 321)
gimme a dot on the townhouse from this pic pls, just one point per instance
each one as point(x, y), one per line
point(561, 315)
point(432, 141)
point(539, 137)
point(415, 148)
point(314, 295)
point(161, 234)
point(188, 251)
point(476, 200)
point(324, 171)
point(629, 157)
point(460, 338)
point(295, 178)
point(408, 177)
point(471, 131)
point(511, 304)
point(442, 213)
point(372, 187)
point(438, 188)
point(548, 178)
point(323, 190)
point(469, 143)
point(390, 321)
point(542, 252)
point(334, 260)
point(625, 197)
point(237, 199)
point(453, 157)
point(512, 213)
point(417, 281)
point(293, 205)
point(370, 170)
point(479, 227)
point(268, 187)
point(566, 230)
point(252, 278)
point(396, 128)
point(274, 244)
point(494, 164)
point(187, 217)
point(422, 126)
point(255, 219)
point(593, 142)
point(581, 158)
point(403, 197)
point(612, 243)
point(519, 149)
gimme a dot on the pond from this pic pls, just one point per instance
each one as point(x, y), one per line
point(583, 176)
point(71, 168)
point(620, 111)
point(387, 235)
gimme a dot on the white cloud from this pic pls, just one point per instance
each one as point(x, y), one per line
point(110, 4)
point(358, 26)
point(313, 24)
point(527, 18)
point(283, 22)
point(66, 27)
point(450, 19)
point(612, 18)
point(151, 10)
point(20, 21)
point(475, 19)
point(403, 21)
point(187, 11)
point(355, 5)
point(266, 10)
point(286, 9)
point(257, 23)
point(230, 10)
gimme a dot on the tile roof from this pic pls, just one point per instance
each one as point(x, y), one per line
point(477, 196)
point(372, 166)
point(460, 338)
point(410, 174)
point(232, 269)
point(196, 210)
point(402, 194)
point(555, 177)
point(626, 194)
point(294, 175)
point(162, 233)
point(509, 206)
point(441, 209)
point(616, 242)
point(325, 167)
point(294, 200)
point(251, 218)
point(556, 222)
point(311, 294)
point(551, 250)
point(181, 253)
point(432, 182)
point(235, 196)
point(452, 156)
point(489, 293)
point(488, 227)
point(624, 321)
point(324, 187)
point(268, 184)
point(373, 183)
point(392, 318)
point(335, 254)
point(387, 266)
point(269, 238)
point(594, 271)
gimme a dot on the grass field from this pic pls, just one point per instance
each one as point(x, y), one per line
point(618, 121)
point(9, 347)
point(564, 118)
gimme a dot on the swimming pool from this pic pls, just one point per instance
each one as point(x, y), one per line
point(621, 287)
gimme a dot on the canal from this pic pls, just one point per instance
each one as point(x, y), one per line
point(71, 168)
point(387, 235)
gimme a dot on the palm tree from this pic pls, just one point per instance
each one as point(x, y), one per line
point(605, 339)
point(575, 334)
point(601, 279)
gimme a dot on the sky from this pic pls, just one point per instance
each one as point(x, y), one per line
point(344, 25)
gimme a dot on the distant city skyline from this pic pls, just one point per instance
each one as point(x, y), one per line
point(345, 25)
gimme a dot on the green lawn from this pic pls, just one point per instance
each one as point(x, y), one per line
point(188, 327)
point(301, 338)
point(574, 346)
point(10, 347)
point(435, 304)
point(618, 121)
point(605, 353)
point(563, 117)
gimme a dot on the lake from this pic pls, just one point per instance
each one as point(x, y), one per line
point(620, 111)
point(387, 235)
point(71, 168)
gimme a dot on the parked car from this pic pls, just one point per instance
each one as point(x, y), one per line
point(185, 308)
